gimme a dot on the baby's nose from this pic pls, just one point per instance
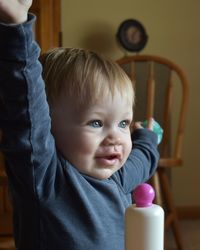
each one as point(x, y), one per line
point(112, 139)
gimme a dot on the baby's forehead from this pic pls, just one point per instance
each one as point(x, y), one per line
point(107, 96)
point(105, 102)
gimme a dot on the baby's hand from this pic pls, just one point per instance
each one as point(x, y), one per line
point(149, 124)
point(14, 11)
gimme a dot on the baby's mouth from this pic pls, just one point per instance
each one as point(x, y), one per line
point(111, 157)
point(108, 160)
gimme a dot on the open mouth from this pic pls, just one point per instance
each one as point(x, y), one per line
point(108, 160)
point(111, 157)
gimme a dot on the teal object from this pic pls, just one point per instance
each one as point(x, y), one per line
point(156, 129)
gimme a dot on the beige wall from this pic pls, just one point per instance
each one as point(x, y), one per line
point(173, 29)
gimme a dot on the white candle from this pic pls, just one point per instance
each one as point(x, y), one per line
point(144, 221)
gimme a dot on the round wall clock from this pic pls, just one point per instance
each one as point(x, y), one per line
point(132, 35)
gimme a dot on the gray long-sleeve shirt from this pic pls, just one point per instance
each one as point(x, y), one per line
point(55, 206)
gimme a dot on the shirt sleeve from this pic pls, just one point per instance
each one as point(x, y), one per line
point(27, 142)
point(142, 161)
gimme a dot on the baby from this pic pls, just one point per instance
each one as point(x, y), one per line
point(71, 159)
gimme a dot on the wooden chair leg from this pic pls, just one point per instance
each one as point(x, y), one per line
point(7, 243)
point(171, 214)
point(154, 181)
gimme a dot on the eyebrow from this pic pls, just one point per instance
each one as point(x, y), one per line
point(102, 113)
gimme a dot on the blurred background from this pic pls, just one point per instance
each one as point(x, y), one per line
point(172, 28)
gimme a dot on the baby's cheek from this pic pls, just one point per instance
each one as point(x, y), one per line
point(87, 145)
point(128, 147)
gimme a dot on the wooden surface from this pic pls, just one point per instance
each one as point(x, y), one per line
point(48, 23)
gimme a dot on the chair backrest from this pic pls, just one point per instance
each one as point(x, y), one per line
point(161, 92)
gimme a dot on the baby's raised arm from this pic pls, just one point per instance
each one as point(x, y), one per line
point(14, 11)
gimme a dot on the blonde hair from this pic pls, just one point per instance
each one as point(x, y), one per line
point(83, 75)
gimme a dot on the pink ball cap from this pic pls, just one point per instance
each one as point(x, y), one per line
point(143, 195)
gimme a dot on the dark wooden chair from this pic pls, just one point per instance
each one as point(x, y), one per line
point(162, 92)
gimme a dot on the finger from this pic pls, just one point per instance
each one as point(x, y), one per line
point(137, 125)
point(150, 123)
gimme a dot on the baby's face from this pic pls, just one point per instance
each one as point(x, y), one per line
point(96, 140)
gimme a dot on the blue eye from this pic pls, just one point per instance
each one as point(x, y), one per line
point(95, 124)
point(123, 124)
